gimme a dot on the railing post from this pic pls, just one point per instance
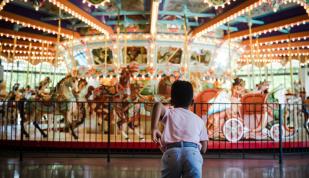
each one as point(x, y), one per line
point(280, 134)
point(20, 105)
point(109, 133)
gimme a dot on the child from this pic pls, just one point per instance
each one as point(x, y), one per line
point(184, 134)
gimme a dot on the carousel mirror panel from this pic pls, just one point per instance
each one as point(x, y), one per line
point(135, 54)
point(201, 56)
point(169, 55)
point(102, 56)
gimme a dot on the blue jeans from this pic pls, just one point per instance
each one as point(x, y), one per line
point(185, 162)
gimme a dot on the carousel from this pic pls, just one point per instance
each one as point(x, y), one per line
point(88, 72)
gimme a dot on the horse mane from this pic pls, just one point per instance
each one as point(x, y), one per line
point(56, 88)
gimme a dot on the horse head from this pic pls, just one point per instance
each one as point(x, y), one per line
point(66, 88)
point(127, 73)
point(81, 84)
point(78, 90)
point(90, 90)
point(44, 83)
point(165, 85)
point(15, 87)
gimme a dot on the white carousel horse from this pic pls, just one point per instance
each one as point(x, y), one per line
point(292, 115)
point(62, 102)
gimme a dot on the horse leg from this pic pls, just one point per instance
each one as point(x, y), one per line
point(68, 118)
point(23, 130)
point(23, 120)
point(36, 125)
point(136, 129)
point(73, 132)
point(122, 124)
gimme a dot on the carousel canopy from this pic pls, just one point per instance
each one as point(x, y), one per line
point(265, 30)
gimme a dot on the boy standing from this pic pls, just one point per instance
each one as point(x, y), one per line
point(184, 134)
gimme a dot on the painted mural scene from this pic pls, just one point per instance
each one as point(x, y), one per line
point(86, 74)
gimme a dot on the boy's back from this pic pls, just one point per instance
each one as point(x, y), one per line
point(182, 125)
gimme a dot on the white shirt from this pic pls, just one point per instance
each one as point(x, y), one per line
point(183, 125)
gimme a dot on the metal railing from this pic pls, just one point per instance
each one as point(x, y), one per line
point(124, 127)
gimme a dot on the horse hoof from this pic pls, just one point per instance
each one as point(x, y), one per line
point(141, 139)
point(75, 137)
point(45, 135)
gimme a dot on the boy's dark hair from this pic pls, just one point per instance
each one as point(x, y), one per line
point(182, 93)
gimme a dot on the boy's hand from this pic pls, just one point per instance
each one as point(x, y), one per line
point(156, 135)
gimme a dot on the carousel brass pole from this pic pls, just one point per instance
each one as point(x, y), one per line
point(29, 58)
point(71, 53)
point(57, 50)
point(13, 59)
point(117, 43)
point(259, 59)
point(251, 50)
point(116, 62)
point(105, 56)
point(284, 76)
point(125, 46)
point(299, 70)
point(290, 60)
point(266, 72)
point(31, 67)
point(186, 58)
point(272, 75)
point(46, 60)
point(229, 38)
point(8, 59)
point(41, 63)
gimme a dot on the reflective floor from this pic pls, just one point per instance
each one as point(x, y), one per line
point(94, 167)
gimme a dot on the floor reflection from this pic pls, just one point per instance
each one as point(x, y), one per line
point(147, 168)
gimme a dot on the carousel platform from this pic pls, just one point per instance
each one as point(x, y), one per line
point(11, 138)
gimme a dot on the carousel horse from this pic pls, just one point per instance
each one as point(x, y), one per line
point(142, 104)
point(140, 108)
point(41, 93)
point(118, 95)
point(195, 79)
point(294, 111)
point(59, 103)
point(164, 89)
point(9, 111)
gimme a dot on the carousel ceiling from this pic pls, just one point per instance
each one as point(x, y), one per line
point(271, 29)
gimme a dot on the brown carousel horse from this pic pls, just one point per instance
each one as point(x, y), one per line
point(59, 103)
point(165, 87)
point(138, 102)
point(117, 96)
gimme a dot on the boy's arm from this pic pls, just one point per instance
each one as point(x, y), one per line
point(204, 146)
point(204, 139)
point(158, 112)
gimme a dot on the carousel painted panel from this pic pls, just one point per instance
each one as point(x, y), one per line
point(102, 56)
